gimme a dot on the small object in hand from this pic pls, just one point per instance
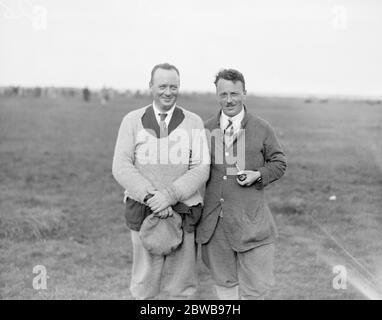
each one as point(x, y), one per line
point(240, 176)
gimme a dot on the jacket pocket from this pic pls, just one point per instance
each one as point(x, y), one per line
point(256, 226)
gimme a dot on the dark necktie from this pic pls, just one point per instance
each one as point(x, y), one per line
point(162, 124)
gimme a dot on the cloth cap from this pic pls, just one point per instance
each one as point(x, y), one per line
point(161, 236)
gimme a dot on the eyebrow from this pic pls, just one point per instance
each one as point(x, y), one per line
point(225, 92)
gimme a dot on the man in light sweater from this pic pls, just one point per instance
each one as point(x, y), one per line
point(161, 159)
point(237, 231)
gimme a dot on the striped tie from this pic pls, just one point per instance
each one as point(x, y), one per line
point(229, 129)
point(228, 133)
point(163, 125)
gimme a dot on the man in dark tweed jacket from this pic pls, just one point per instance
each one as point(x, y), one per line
point(237, 230)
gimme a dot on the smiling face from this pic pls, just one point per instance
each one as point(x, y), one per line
point(164, 88)
point(231, 95)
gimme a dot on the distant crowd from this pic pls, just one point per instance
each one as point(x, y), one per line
point(104, 94)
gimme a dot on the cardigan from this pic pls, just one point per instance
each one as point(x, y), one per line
point(177, 165)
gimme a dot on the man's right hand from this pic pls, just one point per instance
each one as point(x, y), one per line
point(158, 202)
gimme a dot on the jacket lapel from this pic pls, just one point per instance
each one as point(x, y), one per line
point(243, 124)
point(216, 126)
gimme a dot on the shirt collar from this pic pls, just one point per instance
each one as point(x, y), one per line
point(169, 112)
point(236, 120)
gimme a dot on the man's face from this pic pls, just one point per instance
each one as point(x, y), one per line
point(231, 96)
point(164, 88)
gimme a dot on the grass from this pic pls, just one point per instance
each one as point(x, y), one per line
point(60, 206)
point(33, 223)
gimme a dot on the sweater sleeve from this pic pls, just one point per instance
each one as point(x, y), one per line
point(274, 160)
point(124, 171)
point(199, 166)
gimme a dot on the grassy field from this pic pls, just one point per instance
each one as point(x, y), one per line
point(60, 206)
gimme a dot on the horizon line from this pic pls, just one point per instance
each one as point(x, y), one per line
point(188, 92)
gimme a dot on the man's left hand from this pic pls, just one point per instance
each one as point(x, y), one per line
point(158, 202)
point(252, 176)
point(165, 213)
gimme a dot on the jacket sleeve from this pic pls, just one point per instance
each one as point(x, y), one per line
point(274, 160)
point(124, 171)
point(199, 167)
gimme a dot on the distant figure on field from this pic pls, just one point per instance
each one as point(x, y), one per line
point(105, 97)
point(86, 94)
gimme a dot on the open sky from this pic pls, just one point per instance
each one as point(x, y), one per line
point(281, 46)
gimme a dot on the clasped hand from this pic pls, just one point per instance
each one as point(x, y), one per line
point(159, 204)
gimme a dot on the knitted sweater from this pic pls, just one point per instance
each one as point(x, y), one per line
point(177, 165)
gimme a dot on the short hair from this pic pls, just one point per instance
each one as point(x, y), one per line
point(165, 66)
point(231, 75)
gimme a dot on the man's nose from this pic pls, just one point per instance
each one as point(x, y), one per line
point(229, 99)
point(167, 91)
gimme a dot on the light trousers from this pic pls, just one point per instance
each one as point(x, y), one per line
point(173, 274)
point(238, 275)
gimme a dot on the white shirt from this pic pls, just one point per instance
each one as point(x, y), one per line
point(169, 113)
point(236, 121)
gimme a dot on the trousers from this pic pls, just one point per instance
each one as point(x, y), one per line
point(174, 274)
point(238, 275)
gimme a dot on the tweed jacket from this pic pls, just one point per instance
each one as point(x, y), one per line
point(246, 218)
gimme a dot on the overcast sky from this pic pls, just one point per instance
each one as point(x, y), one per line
point(282, 47)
